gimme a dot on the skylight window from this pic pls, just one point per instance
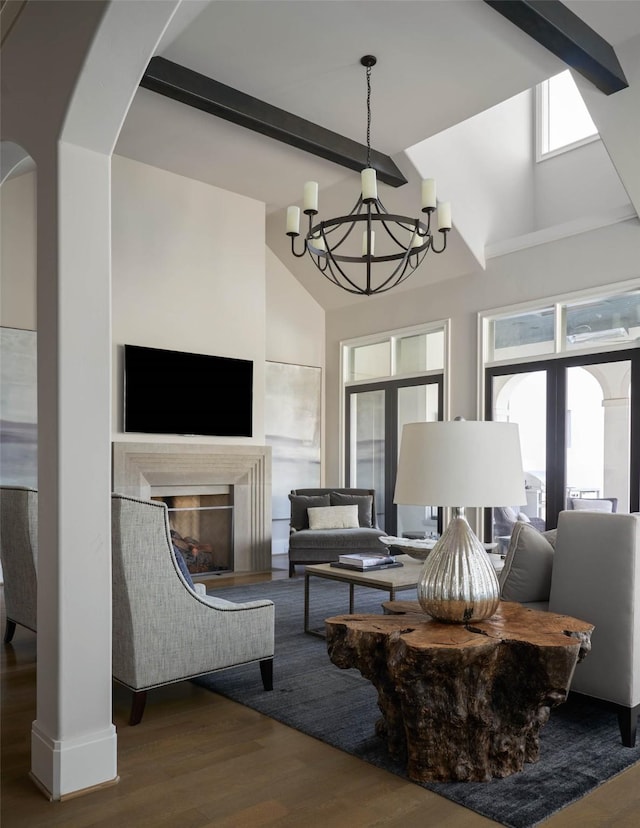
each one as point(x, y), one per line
point(563, 119)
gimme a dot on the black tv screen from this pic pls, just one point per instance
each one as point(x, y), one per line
point(173, 392)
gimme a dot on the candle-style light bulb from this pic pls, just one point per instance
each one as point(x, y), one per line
point(366, 250)
point(429, 194)
point(310, 196)
point(293, 221)
point(369, 184)
point(444, 215)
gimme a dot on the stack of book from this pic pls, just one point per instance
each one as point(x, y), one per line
point(366, 561)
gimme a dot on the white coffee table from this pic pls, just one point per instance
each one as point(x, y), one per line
point(390, 580)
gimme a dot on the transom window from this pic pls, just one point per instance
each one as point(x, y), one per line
point(563, 120)
point(408, 352)
point(592, 323)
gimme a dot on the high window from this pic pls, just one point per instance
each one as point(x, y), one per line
point(563, 120)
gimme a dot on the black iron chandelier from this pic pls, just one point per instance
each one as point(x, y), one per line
point(400, 241)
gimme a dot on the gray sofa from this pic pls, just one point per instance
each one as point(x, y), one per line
point(589, 570)
point(308, 546)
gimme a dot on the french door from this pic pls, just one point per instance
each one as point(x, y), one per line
point(374, 415)
point(579, 421)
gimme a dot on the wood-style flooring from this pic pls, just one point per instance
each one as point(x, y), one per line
point(198, 759)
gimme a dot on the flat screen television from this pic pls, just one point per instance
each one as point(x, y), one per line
point(173, 392)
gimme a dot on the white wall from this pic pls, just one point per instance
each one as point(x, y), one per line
point(295, 321)
point(188, 275)
point(601, 257)
point(191, 272)
point(581, 182)
point(18, 252)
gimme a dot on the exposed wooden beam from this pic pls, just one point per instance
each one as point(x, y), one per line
point(563, 33)
point(191, 88)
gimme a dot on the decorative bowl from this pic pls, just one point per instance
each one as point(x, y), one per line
point(416, 549)
point(417, 553)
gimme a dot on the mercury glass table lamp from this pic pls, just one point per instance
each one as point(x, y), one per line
point(461, 463)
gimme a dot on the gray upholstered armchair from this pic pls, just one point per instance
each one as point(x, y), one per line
point(19, 552)
point(163, 630)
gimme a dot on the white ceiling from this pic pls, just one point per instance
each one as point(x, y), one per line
point(440, 62)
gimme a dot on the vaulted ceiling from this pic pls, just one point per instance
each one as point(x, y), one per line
point(440, 63)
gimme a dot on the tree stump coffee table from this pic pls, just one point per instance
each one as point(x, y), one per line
point(462, 703)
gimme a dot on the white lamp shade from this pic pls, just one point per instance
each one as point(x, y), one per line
point(460, 463)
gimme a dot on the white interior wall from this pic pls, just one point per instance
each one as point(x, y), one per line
point(483, 167)
point(581, 182)
point(188, 275)
point(295, 321)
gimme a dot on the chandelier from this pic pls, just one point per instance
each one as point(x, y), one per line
point(389, 248)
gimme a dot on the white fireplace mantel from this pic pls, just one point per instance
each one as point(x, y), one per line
point(140, 467)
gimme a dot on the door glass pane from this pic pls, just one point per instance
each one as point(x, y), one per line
point(418, 403)
point(522, 399)
point(598, 435)
point(367, 445)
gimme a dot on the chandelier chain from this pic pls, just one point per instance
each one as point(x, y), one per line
point(368, 116)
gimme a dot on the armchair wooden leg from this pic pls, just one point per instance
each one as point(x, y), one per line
point(266, 671)
point(137, 706)
point(627, 721)
point(292, 569)
point(9, 630)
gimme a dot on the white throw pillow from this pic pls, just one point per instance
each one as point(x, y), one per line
point(333, 517)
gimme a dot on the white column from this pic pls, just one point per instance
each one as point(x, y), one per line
point(616, 450)
point(73, 740)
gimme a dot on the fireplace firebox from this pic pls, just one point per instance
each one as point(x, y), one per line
point(202, 530)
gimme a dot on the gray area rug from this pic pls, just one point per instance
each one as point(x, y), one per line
point(580, 745)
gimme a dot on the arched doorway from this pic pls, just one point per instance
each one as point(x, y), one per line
point(578, 430)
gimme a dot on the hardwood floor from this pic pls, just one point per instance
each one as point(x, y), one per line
point(198, 759)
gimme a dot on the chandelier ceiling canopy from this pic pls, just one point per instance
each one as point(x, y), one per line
point(369, 250)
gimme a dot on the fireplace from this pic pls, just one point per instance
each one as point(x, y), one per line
point(202, 528)
point(241, 474)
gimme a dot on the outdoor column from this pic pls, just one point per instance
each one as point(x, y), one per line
point(616, 450)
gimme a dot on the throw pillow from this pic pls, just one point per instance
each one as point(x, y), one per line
point(526, 576)
point(182, 566)
point(333, 517)
point(363, 502)
point(299, 506)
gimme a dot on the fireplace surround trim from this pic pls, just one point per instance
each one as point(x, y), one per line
point(140, 467)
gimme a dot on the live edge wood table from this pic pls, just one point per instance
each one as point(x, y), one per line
point(462, 702)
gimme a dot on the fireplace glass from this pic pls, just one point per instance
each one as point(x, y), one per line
point(202, 530)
